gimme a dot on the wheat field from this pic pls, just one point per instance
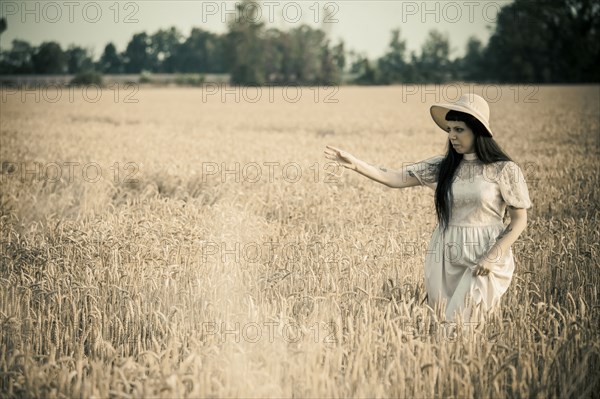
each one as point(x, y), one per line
point(170, 242)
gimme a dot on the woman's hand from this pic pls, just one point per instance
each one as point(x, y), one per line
point(345, 159)
point(483, 268)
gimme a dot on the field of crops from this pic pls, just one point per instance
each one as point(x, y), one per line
point(179, 243)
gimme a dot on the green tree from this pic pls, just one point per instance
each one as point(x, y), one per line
point(392, 66)
point(412, 72)
point(78, 60)
point(49, 58)
point(201, 52)
point(333, 61)
point(164, 47)
point(471, 66)
point(138, 55)
point(339, 57)
point(368, 74)
point(546, 41)
point(310, 56)
point(328, 73)
point(18, 60)
point(356, 61)
point(245, 46)
point(110, 61)
point(277, 56)
point(433, 65)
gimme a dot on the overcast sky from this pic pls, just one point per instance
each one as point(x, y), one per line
point(365, 26)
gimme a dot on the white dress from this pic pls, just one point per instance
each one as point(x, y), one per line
point(481, 194)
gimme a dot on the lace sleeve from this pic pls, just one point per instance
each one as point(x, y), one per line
point(426, 171)
point(514, 187)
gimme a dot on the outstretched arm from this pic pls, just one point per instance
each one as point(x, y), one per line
point(518, 223)
point(389, 177)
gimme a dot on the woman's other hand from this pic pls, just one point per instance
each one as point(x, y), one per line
point(342, 157)
point(483, 268)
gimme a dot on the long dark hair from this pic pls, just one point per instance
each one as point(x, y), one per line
point(487, 150)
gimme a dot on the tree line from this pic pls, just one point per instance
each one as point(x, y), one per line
point(542, 41)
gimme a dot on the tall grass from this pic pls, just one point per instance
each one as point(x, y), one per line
point(180, 284)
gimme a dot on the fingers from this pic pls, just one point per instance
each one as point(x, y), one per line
point(481, 271)
point(339, 156)
point(330, 150)
point(333, 151)
point(334, 154)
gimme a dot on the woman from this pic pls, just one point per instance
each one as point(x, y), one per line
point(469, 260)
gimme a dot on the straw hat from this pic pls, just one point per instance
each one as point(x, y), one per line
point(470, 103)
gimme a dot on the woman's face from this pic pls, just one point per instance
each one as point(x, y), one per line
point(461, 137)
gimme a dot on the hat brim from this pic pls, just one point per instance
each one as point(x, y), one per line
point(438, 113)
